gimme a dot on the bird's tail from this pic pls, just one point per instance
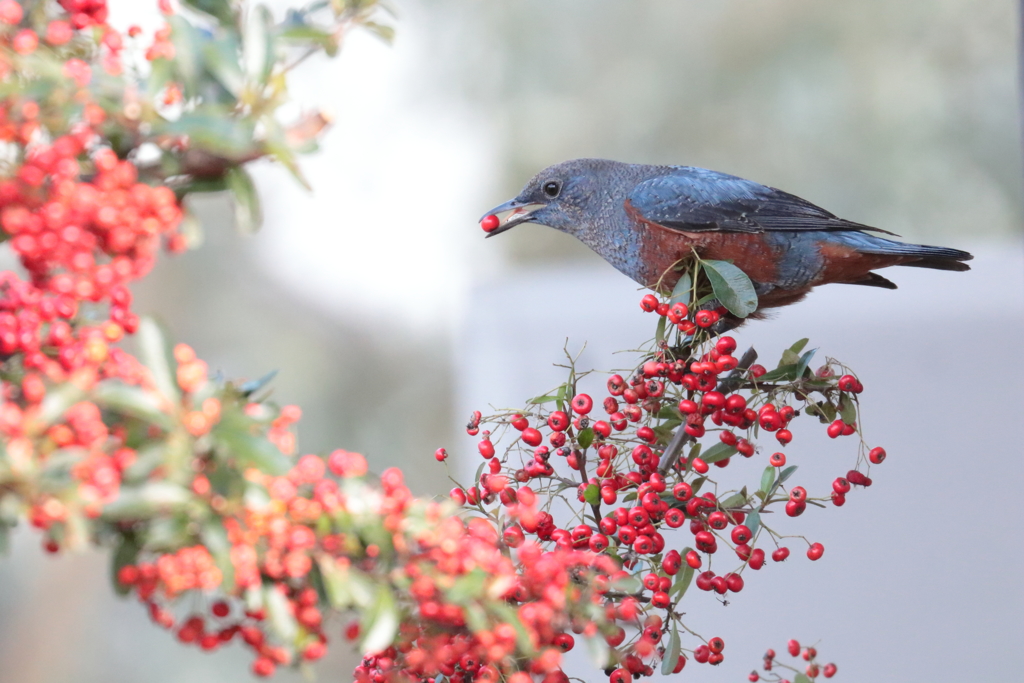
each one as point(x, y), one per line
point(922, 255)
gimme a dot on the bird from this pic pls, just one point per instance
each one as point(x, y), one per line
point(644, 219)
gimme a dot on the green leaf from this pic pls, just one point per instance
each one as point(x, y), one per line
point(385, 33)
point(537, 400)
point(380, 622)
point(467, 588)
point(599, 650)
point(306, 34)
point(279, 614)
point(146, 501)
point(848, 410)
point(132, 402)
point(627, 584)
point(215, 538)
point(57, 402)
point(719, 451)
point(697, 484)
point(799, 346)
point(732, 287)
point(156, 355)
point(219, 9)
point(734, 501)
point(802, 678)
point(659, 332)
point(789, 358)
point(234, 442)
point(681, 292)
point(671, 653)
point(805, 360)
point(585, 437)
point(753, 522)
point(767, 479)
point(127, 551)
point(187, 53)
point(785, 474)
point(221, 57)
point(683, 578)
point(216, 132)
point(592, 494)
point(258, 44)
point(248, 214)
point(783, 372)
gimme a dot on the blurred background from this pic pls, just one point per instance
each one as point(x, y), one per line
point(389, 317)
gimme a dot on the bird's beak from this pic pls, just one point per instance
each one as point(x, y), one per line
point(516, 213)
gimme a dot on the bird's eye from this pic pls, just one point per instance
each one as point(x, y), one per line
point(552, 188)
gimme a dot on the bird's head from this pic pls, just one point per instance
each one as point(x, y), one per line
point(565, 196)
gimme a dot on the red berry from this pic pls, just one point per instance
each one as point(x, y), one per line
point(440, 455)
point(780, 554)
point(660, 599)
point(815, 551)
point(649, 303)
point(794, 648)
point(777, 459)
point(532, 437)
point(582, 404)
point(490, 223)
point(877, 455)
point(693, 559)
point(741, 535)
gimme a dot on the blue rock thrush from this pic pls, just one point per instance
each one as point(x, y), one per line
point(644, 219)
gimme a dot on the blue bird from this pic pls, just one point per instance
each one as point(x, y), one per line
point(644, 219)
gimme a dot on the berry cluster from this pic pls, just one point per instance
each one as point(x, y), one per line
point(644, 469)
point(811, 670)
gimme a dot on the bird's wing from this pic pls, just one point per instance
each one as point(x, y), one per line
point(696, 199)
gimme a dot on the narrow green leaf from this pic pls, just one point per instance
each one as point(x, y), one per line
point(279, 614)
point(732, 287)
point(719, 451)
point(598, 649)
point(787, 473)
point(127, 551)
point(802, 678)
point(234, 442)
point(783, 372)
point(187, 53)
point(697, 484)
point(789, 358)
point(156, 355)
point(682, 291)
point(805, 360)
point(219, 9)
point(848, 409)
point(380, 623)
point(537, 400)
point(659, 333)
point(734, 501)
point(221, 57)
point(592, 494)
point(336, 582)
point(216, 132)
point(258, 45)
point(585, 437)
point(57, 402)
point(385, 33)
point(627, 584)
point(799, 346)
point(668, 664)
point(248, 214)
point(683, 578)
point(767, 479)
point(132, 402)
point(146, 501)
point(215, 538)
point(753, 522)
